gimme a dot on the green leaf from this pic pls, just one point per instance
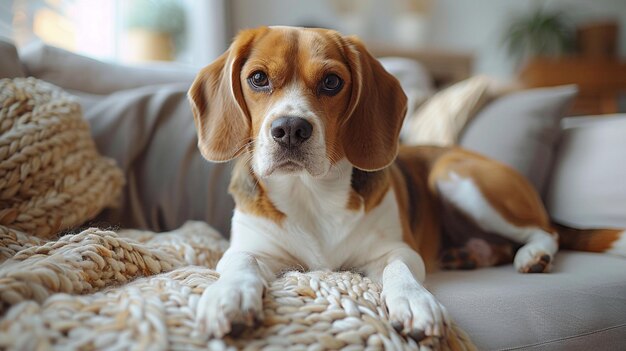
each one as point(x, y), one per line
point(539, 33)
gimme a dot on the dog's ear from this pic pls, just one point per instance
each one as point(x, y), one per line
point(219, 109)
point(375, 112)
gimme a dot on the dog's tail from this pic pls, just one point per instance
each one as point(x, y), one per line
point(612, 241)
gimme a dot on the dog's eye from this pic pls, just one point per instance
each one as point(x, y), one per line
point(259, 80)
point(331, 84)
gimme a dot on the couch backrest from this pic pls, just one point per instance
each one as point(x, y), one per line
point(10, 66)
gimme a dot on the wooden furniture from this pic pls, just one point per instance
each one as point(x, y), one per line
point(601, 81)
point(445, 67)
point(598, 39)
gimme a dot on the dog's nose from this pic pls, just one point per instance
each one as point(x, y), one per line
point(291, 131)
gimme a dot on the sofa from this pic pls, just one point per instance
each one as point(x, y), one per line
point(139, 116)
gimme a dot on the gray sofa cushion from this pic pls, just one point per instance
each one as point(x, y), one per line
point(150, 132)
point(588, 184)
point(521, 130)
point(10, 66)
point(580, 306)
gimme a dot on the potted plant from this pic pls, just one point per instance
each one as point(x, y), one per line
point(155, 29)
point(539, 33)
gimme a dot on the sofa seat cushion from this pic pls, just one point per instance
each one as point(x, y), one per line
point(581, 305)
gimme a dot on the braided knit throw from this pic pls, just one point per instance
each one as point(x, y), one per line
point(51, 175)
point(136, 290)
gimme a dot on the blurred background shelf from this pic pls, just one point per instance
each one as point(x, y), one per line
point(601, 81)
point(594, 64)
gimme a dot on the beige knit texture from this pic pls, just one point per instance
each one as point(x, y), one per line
point(51, 175)
point(137, 290)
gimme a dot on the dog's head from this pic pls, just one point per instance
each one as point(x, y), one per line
point(297, 100)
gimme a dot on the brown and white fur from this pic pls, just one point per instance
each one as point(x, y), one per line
point(340, 195)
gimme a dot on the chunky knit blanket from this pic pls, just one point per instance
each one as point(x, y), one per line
point(134, 290)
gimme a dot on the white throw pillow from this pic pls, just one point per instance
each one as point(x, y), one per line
point(588, 184)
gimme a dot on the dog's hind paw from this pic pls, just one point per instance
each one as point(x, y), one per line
point(458, 258)
point(539, 263)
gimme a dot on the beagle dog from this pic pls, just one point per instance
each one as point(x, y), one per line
point(320, 182)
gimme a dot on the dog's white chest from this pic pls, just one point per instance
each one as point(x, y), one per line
point(318, 230)
point(318, 225)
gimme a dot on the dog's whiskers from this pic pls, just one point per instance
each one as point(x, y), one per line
point(334, 156)
point(249, 142)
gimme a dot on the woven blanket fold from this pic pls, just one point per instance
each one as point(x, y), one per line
point(139, 290)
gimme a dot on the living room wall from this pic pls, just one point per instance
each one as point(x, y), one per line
point(474, 26)
point(477, 26)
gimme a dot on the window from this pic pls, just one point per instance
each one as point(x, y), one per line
point(121, 30)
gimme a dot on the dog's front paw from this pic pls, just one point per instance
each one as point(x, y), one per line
point(228, 306)
point(414, 312)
